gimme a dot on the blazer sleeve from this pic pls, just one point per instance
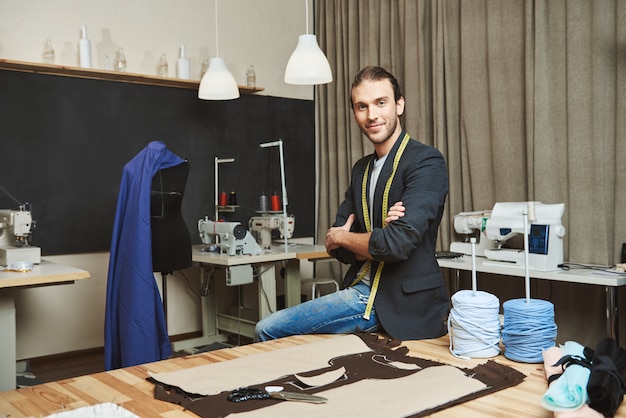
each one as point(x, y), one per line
point(345, 210)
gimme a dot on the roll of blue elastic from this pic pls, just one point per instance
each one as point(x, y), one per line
point(529, 328)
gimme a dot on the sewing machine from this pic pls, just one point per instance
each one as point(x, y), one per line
point(15, 228)
point(545, 234)
point(472, 224)
point(262, 228)
point(231, 238)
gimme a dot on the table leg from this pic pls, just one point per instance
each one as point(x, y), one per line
point(8, 372)
point(293, 283)
point(612, 313)
point(209, 317)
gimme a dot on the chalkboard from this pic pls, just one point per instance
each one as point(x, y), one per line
point(64, 142)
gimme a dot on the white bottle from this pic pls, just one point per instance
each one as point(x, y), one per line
point(182, 65)
point(84, 49)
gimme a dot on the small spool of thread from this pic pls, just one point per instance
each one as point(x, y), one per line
point(223, 201)
point(263, 203)
point(275, 203)
point(532, 214)
point(232, 199)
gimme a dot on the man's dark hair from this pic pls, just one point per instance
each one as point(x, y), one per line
point(373, 73)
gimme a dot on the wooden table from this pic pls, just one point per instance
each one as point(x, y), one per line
point(43, 274)
point(129, 388)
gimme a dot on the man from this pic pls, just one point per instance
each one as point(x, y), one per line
point(394, 283)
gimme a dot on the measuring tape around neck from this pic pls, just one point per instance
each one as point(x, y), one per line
point(368, 224)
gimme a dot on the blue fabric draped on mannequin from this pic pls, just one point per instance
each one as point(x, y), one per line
point(135, 325)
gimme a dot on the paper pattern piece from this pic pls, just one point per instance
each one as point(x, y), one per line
point(212, 379)
point(368, 398)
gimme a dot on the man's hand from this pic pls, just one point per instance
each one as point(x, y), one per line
point(395, 212)
point(334, 234)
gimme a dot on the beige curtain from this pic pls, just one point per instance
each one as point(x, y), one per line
point(525, 99)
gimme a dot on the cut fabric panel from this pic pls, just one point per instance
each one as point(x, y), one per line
point(380, 375)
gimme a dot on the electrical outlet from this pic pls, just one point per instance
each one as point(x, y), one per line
point(22, 366)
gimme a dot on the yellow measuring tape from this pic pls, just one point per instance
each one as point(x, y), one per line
point(368, 224)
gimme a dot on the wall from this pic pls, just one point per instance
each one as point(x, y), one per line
point(263, 33)
point(66, 318)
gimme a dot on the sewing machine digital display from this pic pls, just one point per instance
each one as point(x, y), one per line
point(537, 239)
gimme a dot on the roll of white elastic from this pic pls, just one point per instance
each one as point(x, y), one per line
point(474, 324)
point(529, 328)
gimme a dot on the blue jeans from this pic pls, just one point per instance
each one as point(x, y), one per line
point(336, 313)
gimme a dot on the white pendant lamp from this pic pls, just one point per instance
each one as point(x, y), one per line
point(308, 64)
point(218, 83)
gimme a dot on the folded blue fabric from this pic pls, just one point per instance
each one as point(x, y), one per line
point(568, 392)
point(573, 348)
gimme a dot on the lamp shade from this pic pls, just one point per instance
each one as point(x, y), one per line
point(308, 64)
point(218, 83)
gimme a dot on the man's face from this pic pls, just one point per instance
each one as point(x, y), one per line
point(375, 110)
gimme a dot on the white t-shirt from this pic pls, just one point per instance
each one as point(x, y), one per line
point(374, 173)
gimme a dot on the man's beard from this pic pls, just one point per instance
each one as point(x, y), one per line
point(392, 130)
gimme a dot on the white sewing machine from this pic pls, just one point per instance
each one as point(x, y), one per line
point(545, 234)
point(231, 238)
point(472, 224)
point(15, 228)
point(263, 226)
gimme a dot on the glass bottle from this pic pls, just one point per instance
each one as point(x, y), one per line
point(251, 77)
point(204, 68)
point(162, 67)
point(120, 61)
point(48, 52)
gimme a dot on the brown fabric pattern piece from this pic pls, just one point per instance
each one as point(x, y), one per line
point(381, 363)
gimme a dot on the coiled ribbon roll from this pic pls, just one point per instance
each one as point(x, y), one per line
point(529, 328)
point(474, 324)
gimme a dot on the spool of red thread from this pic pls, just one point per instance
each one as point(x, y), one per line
point(274, 203)
point(223, 199)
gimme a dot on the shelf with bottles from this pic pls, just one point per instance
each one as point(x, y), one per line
point(69, 71)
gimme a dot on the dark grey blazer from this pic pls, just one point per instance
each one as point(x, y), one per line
point(412, 301)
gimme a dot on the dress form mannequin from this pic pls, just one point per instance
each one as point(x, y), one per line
point(171, 244)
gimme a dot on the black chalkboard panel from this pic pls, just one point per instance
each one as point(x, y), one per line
point(65, 140)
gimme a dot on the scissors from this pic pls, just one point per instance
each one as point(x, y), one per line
point(246, 393)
